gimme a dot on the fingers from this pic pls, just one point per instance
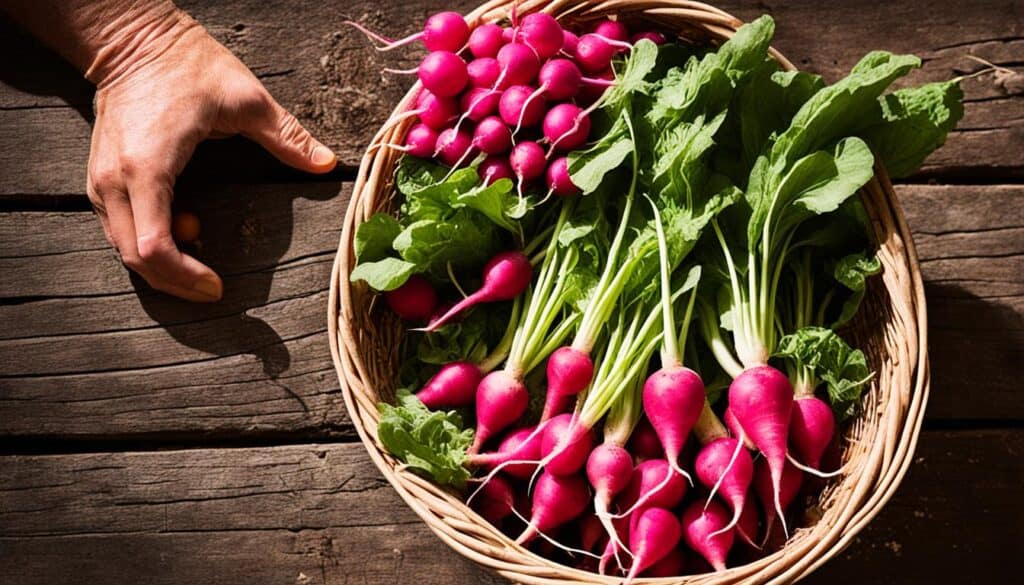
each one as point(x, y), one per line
point(276, 130)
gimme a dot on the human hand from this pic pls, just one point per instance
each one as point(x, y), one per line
point(162, 90)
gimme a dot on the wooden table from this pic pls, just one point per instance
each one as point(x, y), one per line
point(146, 440)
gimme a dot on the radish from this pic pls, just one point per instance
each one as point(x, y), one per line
point(560, 183)
point(495, 168)
point(614, 545)
point(435, 111)
point(569, 371)
point(516, 108)
point(443, 73)
point(479, 102)
point(444, 31)
point(653, 484)
point(644, 442)
point(492, 136)
point(811, 427)
point(746, 528)
point(496, 501)
point(420, 141)
point(454, 146)
point(736, 429)
point(565, 445)
point(508, 34)
point(610, 471)
point(569, 41)
point(522, 445)
point(594, 53)
point(505, 277)
point(655, 37)
point(706, 532)
point(542, 33)
point(612, 30)
point(528, 161)
point(761, 399)
point(486, 40)
point(483, 72)
point(500, 400)
point(414, 300)
point(723, 465)
point(519, 65)
point(556, 501)
point(566, 126)
point(591, 533)
point(593, 90)
point(776, 497)
point(453, 386)
point(671, 565)
point(559, 79)
point(652, 537)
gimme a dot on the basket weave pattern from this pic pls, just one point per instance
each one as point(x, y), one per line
point(890, 328)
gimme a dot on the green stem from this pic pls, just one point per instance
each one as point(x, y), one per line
point(501, 351)
point(669, 350)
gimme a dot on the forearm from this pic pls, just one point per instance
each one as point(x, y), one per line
point(104, 39)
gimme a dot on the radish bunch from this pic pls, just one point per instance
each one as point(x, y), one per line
point(684, 229)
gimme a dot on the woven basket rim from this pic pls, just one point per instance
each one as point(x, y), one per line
point(864, 490)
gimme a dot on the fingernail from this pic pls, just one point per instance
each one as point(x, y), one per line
point(210, 287)
point(323, 156)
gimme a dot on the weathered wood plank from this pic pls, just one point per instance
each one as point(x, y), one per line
point(269, 514)
point(328, 75)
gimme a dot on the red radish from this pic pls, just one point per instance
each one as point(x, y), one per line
point(435, 111)
point(566, 126)
point(519, 65)
point(483, 72)
point(644, 441)
point(519, 445)
point(479, 102)
point(774, 501)
point(559, 181)
point(444, 31)
point(569, 41)
point(704, 528)
point(652, 537)
point(671, 565)
point(443, 73)
point(453, 386)
point(492, 136)
point(556, 501)
point(723, 465)
point(508, 34)
point(594, 53)
point(516, 108)
point(614, 545)
point(495, 168)
point(654, 484)
point(746, 528)
point(420, 141)
point(811, 426)
point(591, 533)
point(566, 445)
point(592, 91)
point(610, 471)
point(655, 37)
point(673, 398)
point(761, 399)
point(496, 500)
point(559, 79)
point(527, 160)
point(736, 429)
point(612, 29)
point(485, 40)
point(542, 33)
point(500, 400)
point(505, 277)
point(454, 146)
point(569, 371)
point(414, 300)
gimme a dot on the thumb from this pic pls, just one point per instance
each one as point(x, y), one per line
point(278, 131)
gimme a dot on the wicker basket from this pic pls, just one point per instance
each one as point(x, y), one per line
point(891, 328)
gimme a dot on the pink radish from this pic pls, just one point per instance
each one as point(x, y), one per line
point(736, 430)
point(500, 400)
point(655, 484)
point(505, 277)
point(655, 37)
point(761, 399)
point(454, 146)
point(516, 108)
point(566, 445)
point(508, 34)
point(443, 73)
point(496, 501)
point(723, 465)
point(746, 528)
point(520, 445)
point(453, 386)
point(569, 41)
point(594, 53)
point(673, 398)
point(671, 565)
point(610, 471)
point(591, 533)
point(483, 72)
point(652, 537)
point(569, 371)
point(612, 29)
point(542, 33)
point(519, 65)
point(435, 111)
point(486, 40)
point(479, 102)
point(559, 79)
point(414, 300)
point(614, 545)
point(556, 501)
point(492, 136)
point(811, 427)
point(495, 168)
point(420, 141)
point(527, 160)
point(705, 530)
point(559, 181)
point(444, 31)
point(566, 126)
point(590, 92)
point(775, 498)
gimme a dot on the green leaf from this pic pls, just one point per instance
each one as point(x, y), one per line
point(383, 275)
point(431, 443)
point(843, 369)
point(587, 168)
point(914, 122)
point(466, 239)
point(853, 271)
point(374, 237)
point(747, 48)
point(495, 201)
point(641, 61)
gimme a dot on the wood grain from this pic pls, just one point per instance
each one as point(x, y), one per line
point(326, 73)
point(271, 515)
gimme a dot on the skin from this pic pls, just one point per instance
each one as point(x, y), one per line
point(163, 85)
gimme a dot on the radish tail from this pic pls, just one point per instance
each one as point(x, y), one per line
point(522, 111)
point(598, 82)
point(646, 497)
point(575, 126)
point(601, 511)
point(738, 511)
point(813, 471)
point(777, 485)
point(718, 484)
point(412, 71)
point(614, 43)
point(490, 475)
point(531, 531)
point(369, 33)
point(455, 310)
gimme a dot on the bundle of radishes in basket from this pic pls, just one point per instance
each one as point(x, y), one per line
point(606, 245)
